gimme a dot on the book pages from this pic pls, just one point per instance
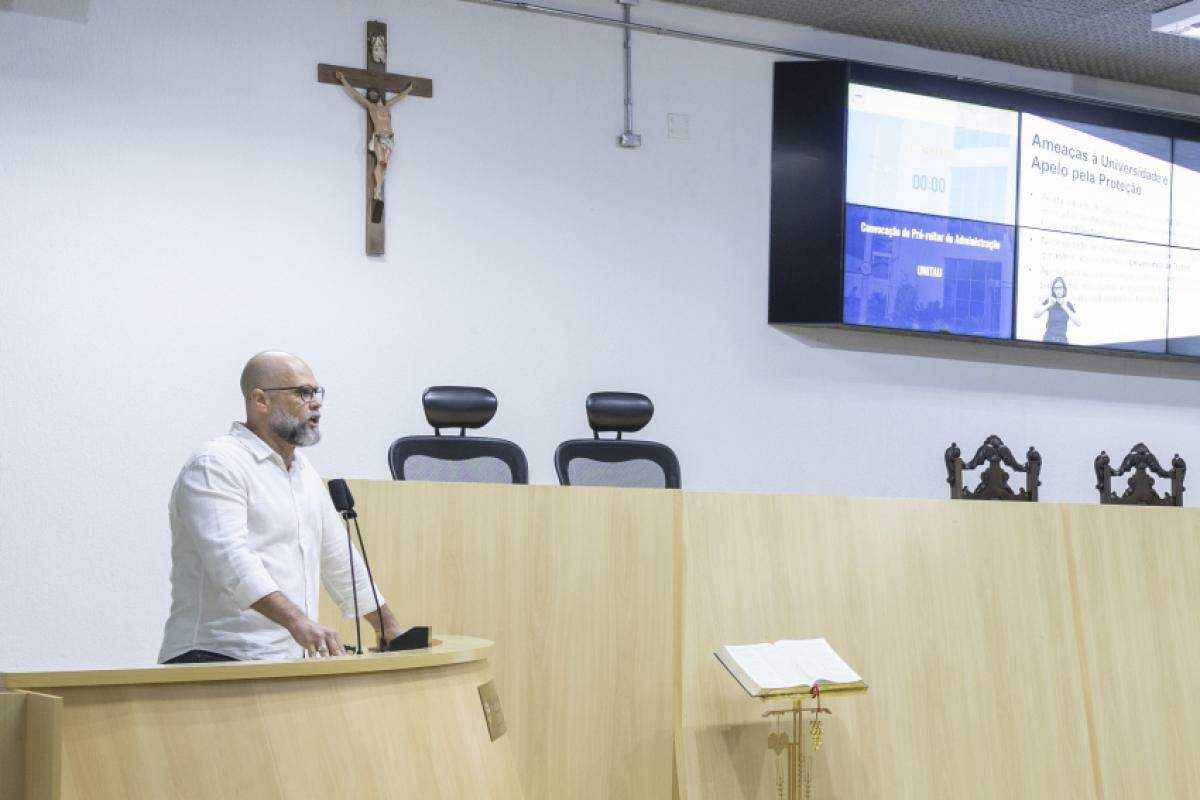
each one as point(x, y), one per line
point(766, 666)
point(817, 660)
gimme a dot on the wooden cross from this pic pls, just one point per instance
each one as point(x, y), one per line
point(377, 81)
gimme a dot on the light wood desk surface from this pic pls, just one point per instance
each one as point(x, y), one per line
point(450, 650)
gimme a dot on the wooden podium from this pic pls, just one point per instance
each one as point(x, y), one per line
point(396, 725)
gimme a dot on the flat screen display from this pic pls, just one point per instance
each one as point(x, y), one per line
point(931, 205)
point(927, 272)
point(908, 152)
point(998, 223)
point(1092, 290)
point(1097, 181)
point(1095, 220)
point(1183, 295)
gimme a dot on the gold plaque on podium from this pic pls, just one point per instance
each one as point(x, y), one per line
point(492, 712)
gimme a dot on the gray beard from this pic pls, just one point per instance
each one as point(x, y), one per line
point(293, 430)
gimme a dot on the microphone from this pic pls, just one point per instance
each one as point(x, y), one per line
point(343, 502)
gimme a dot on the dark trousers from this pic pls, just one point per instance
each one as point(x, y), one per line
point(198, 657)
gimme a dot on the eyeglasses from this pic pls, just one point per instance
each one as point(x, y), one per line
point(306, 392)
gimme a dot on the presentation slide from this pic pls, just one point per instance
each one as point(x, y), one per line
point(1085, 290)
point(1087, 179)
point(1185, 195)
point(927, 273)
point(908, 152)
point(1183, 311)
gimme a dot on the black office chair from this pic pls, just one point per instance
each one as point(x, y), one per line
point(462, 458)
point(617, 462)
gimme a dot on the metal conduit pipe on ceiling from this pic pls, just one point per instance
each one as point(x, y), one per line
point(639, 27)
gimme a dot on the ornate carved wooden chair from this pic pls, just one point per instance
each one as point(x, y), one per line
point(1141, 486)
point(993, 481)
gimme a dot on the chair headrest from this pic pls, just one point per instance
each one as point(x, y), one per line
point(459, 406)
point(623, 412)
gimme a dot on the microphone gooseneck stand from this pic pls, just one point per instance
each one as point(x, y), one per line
point(413, 638)
point(346, 517)
point(383, 642)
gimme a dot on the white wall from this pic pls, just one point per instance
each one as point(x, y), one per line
point(177, 192)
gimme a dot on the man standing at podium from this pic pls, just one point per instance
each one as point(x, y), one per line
point(253, 533)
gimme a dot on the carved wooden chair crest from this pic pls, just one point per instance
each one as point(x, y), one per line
point(993, 481)
point(1141, 485)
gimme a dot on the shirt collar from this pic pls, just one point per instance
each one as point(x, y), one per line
point(258, 448)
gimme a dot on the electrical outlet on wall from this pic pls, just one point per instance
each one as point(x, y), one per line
point(677, 126)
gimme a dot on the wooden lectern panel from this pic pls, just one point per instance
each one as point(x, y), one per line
point(12, 759)
point(1137, 572)
point(416, 733)
point(397, 725)
point(30, 756)
point(576, 587)
point(958, 615)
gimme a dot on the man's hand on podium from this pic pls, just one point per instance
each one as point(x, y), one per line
point(391, 628)
point(317, 640)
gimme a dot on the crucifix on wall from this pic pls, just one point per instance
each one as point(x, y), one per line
point(376, 82)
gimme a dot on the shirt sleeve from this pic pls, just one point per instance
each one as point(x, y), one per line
point(335, 566)
point(211, 502)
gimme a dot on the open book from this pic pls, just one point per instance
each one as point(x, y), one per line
point(787, 667)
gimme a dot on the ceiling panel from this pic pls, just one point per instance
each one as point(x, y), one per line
point(1103, 38)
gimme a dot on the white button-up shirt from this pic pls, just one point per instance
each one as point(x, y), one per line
point(244, 526)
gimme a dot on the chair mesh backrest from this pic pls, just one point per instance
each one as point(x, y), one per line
point(483, 469)
point(469, 459)
point(639, 473)
point(612, 462)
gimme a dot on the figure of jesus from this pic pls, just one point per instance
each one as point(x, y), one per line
point(382, 138)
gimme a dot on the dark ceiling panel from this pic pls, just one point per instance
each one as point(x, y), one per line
point(1076, 8)
point(804, 12)
point(1102, 38)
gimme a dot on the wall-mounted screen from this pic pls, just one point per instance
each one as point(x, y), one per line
point(1095, 218)
point(1097, 181)
point(931, 200)
point(908, 152)
point(1183, 294)
point(982, 211)
point(1092, 290)
point(930, 273)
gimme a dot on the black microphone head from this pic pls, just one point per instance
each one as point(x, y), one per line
point(343, 501)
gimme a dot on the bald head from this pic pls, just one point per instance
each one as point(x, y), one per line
point(283, 401)
point(272, 368)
